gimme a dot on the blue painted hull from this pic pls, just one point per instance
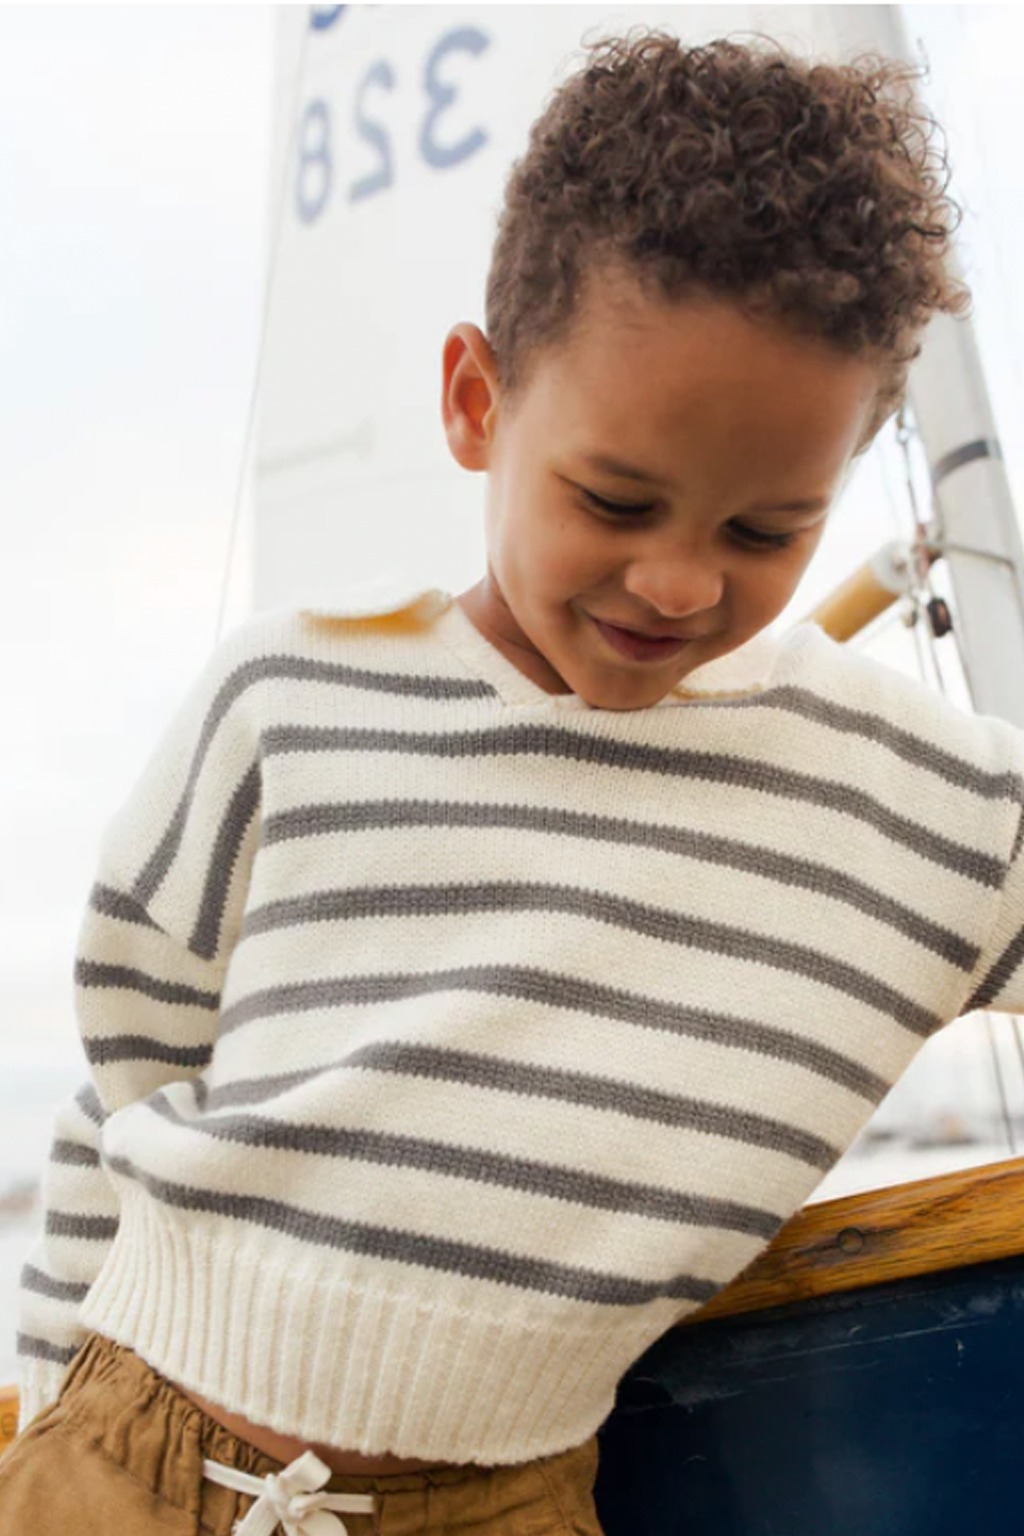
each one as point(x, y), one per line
point(897, 1410)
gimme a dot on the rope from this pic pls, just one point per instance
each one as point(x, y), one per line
point(277, 226)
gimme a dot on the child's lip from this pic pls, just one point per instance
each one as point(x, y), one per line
point(643, 634)
point(639, 647)
point(646, 634)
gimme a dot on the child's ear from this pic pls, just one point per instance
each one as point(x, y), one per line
point(469, 396)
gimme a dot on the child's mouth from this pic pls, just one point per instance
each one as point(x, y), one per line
point(638, 647)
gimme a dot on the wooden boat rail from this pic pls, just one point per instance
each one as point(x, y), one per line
point(968, 1217)
point(924, 1227)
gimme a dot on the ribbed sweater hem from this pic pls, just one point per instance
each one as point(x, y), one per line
point(354, 1366)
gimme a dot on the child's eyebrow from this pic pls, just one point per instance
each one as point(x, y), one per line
point(610, 466)
point(812, 504)
point(605, 464)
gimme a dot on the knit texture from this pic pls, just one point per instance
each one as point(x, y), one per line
point(450, 1040)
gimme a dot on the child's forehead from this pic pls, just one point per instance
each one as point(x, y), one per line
point(620, 307)
point(682, 359)
point(699, 392)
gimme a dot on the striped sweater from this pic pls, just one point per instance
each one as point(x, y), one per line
point(449, 1040)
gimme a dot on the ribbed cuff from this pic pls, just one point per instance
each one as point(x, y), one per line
point(363, 1367)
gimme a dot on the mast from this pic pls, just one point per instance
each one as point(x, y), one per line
point(975, 527)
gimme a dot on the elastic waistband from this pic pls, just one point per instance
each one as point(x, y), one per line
point(146, 1425)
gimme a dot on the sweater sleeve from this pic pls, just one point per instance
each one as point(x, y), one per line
point(162, 918)
point(997, 984)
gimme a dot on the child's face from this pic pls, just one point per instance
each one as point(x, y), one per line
point(724, 424)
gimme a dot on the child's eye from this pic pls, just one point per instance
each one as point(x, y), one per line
point(758, 537)
point(755, 537)
point(614, 506)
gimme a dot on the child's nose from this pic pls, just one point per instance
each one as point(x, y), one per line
point(677, 588)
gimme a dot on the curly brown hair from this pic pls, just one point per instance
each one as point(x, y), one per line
point(808, 192)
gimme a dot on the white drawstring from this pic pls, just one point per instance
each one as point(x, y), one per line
point(290, 1499)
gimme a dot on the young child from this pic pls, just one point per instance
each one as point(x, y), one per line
point(472, 988)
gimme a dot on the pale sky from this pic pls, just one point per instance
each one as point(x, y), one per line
point(134, 148)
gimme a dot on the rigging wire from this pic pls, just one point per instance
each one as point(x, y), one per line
point(268, 293)
point(924, 582)
point(1001, 1087)
point(921, 579)
point(888, 447)
point(1019, 1043)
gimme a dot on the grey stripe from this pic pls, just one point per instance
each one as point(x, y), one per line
point(41, 1284)
point(74, 1154)
point(41, 1349)
point(729, 1031)
point(94, 973)
point(94, 1229)
point(414, 901)
point(967, 453)
point(102, 1052)
point(88, 1101)
point(1003, 968)
point(864, 724)
point(998, 976)
point(726, 1031)
point(719, 767)
point(393, 815)
point(472, 1259)
point(113, 903)
point(639, 1103)
point(530, 982)
point(592, 1092)
point(1018, 838)
point(458, 1162)
point(240, 812)
point(259, 669)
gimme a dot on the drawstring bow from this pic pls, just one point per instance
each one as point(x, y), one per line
point(291, 1500)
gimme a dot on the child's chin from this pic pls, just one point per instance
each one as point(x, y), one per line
point(623, 692)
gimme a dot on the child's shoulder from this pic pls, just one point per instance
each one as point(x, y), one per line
point(375, 609)
point(364, 631)
point(371, 608)
point(863, 692)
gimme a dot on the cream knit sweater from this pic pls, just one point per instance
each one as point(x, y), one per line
point(449, 1040)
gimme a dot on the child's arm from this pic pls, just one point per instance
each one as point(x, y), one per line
point(997, 984)
point(154, 945)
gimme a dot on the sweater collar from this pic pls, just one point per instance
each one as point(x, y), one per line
point(743, 671)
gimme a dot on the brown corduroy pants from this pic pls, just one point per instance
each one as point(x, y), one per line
point(121, 1454)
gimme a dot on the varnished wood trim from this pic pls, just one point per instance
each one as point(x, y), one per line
point(8, 1416)
point(886, 1234)
point(865, 594)
point(853, 605)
